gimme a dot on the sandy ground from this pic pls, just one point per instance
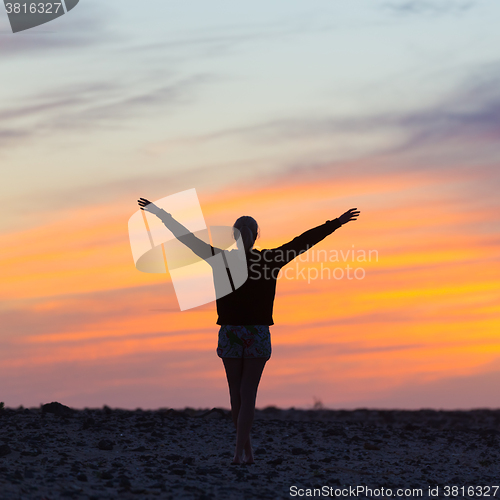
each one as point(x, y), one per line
point(55, 452)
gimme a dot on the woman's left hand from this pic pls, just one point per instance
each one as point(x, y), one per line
point(348, 216)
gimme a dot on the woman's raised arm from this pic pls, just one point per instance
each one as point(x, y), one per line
point(287, 252)
point(182, 233)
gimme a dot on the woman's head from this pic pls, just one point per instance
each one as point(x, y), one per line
point(248, 228)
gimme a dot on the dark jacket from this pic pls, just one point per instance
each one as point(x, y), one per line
point(252, 302)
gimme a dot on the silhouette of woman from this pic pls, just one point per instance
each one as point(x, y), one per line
point(245, 314)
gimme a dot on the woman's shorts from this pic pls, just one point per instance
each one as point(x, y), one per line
point(248, 341)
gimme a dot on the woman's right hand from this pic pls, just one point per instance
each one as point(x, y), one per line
point(348, 216)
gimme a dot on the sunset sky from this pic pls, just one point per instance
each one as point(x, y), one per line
point(292, 112)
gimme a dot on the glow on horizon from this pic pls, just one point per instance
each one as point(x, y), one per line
point(130, 326)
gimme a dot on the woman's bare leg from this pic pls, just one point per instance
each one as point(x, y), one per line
point(234, 371)
point(243, 377)
point(250, 378)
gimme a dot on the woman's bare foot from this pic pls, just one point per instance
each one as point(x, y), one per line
point(245, 457)
point(238, 459)
point(248, 452)
point(248, 458)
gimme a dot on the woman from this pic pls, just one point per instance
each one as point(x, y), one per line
point(245, 314)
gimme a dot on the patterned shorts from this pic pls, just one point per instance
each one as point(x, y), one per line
point(249, 341)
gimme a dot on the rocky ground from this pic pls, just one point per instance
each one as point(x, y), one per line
point(55, 452)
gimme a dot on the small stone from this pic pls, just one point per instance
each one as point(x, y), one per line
point(215, 413)
point(125, 482)
point(105, 444)
point(5, 450)
point(29, 474)
point(89, 422)
point(158, 485)
point(31, 453)
point(179, 472)
point(140, 448)
point(18, 475)
point(82, 477)
point(57, 409)
point(370, 446)
point(276, 461)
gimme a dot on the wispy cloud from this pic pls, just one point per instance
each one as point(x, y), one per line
point(436, 7)
point(472, 112)
point(13, 137)
point(219, 40)
point(78, 312)
point(91, 106)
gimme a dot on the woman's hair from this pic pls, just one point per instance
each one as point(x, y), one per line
point(248, 228)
